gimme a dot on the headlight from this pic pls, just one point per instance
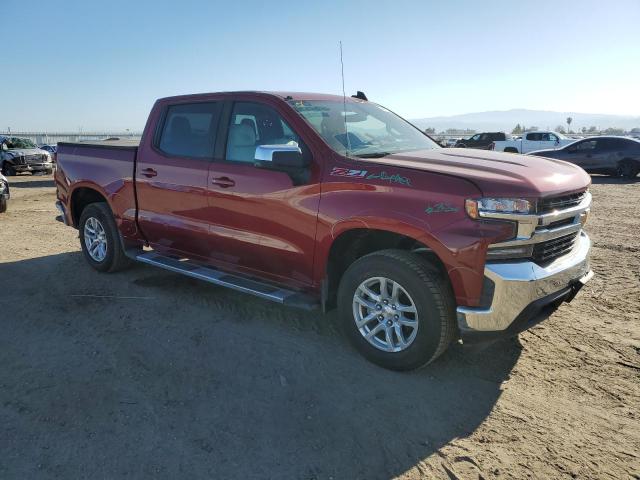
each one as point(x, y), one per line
point(498, 205)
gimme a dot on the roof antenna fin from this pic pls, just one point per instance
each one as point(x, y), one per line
point(344, 104)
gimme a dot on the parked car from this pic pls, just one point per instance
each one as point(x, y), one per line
point(272, 195)
point(4, 193)
point(52, 149)
point(482, 140)
point(22, 155)
point(532, 141)
point(619, 156)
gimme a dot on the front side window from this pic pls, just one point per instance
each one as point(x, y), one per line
point(585, 146)
point(254, 124)
point(361, 129)
point(189, 130)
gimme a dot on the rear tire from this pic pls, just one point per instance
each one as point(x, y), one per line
point(421, 287)
point(627, 169)
point(3, 204)
point(100, 239)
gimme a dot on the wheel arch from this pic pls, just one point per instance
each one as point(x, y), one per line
point(83, 195)
point(359, 238)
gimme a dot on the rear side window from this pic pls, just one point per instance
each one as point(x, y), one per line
point(189, 130)
point(612, 144)
point(534, 136)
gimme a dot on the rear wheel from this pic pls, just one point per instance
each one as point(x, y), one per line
point(100, 239)
point(627, 169)
point(396, 309)
point(3, 204)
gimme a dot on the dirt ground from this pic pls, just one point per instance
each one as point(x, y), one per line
point(147, 374)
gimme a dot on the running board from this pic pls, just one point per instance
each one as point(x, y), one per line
point(241, 284)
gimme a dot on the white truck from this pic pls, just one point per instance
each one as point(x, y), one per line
point(531, 141)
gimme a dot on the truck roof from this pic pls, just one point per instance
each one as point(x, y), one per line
point(282, 95)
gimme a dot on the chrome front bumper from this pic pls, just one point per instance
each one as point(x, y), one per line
point(517, 285)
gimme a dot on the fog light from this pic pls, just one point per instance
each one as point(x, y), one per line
point(584, 216)
point(502, 253)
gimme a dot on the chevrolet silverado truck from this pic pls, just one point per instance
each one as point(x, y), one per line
point(531, 141)
point(317, 201)
point(22, 155)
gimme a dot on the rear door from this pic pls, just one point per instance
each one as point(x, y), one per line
point(264, 220)
point(172, 179)
point(609, 151)
point(532, 141)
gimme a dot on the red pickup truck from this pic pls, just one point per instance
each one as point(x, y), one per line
point(318, 201)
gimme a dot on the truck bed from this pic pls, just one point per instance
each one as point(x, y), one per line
point(128, 143)
point(106, 167)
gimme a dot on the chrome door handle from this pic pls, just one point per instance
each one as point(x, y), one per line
point(149, 172)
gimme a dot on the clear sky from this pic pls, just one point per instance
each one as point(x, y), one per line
point(100, 65)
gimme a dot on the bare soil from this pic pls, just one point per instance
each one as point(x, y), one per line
point(146, 374)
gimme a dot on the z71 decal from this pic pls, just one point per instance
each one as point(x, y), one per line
point(346, 172)
point(384, 176)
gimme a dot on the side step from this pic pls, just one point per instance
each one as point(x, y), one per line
point(217, 277)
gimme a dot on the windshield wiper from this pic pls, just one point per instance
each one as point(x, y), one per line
point(373, 155)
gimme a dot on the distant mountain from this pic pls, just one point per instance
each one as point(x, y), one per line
point(507, 120)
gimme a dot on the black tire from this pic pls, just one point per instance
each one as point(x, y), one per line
point(627, 168)
point(3, 204)
point(115, 258)
point(8, 169)
point(430, 292)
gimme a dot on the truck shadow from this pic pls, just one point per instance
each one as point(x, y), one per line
point(23, 181)
point(161, 376)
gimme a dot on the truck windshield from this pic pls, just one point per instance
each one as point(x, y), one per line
point(15, 142)
point(363, 130)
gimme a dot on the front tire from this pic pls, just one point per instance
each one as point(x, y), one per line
point(100, 239)
point(3, 204)
point(8, 170)
point(396, 309)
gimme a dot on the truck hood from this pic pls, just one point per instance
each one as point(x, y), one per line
point(496, 173)
point(16, 152)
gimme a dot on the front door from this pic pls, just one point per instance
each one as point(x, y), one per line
point(582, 153)
point(264, 220)
point(172, 180)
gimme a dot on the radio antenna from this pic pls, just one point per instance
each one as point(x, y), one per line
point(344, 103)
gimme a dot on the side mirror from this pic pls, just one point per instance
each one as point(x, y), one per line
point(286, 156)
point(4, 146)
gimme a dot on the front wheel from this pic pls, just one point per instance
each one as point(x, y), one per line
point(396, 309)
point(3, 204)
point(100, 239)
point(8, 170)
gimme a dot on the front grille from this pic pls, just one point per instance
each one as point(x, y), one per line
point(34, 158)
point(560, 203)
point(551, 249)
